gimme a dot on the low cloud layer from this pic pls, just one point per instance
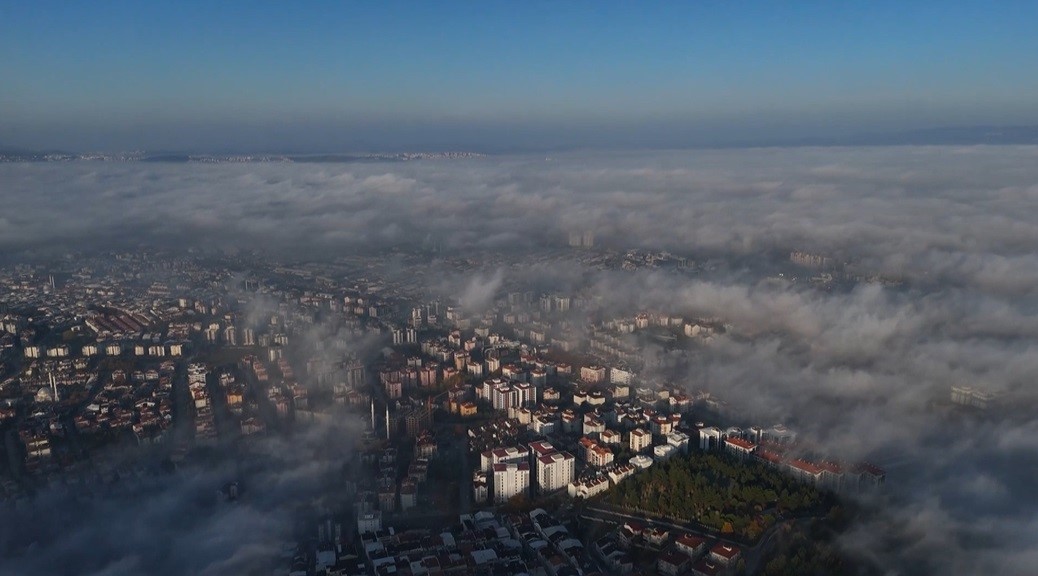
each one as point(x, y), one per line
point(950, 214)
point(142, 517)
point(864, 373)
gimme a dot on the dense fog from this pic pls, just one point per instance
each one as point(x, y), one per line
point(861, 373)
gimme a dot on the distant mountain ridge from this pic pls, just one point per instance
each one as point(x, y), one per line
point(946, 135)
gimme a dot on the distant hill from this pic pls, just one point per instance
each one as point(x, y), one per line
point(954, 135)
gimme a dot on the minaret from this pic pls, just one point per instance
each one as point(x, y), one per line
point(387, 420)
point(53, 387)
point(372, 414)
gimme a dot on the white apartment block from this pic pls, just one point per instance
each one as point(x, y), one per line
point(593, 374)
point(555, 471)
point(639, 439)
point(619, 376)
point(511, 479)
point(610, 437)
point(593, 426)
point(678, 440)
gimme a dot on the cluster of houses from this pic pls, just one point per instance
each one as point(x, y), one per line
point(676, 553)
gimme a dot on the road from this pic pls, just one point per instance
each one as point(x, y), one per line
point(465, 482)
point(183, 427)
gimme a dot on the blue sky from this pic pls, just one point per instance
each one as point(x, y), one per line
point(347, 75)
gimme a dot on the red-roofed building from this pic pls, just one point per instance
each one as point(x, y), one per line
point(600, 456)
point(768, 457)
point(869, 475)
point(663, 425)
point(594, 453)
point(554, 471)
point(806, 471)
point(639, 439)
point(725, 554)
point(832, 475)
point(503, 454)
point(542, 448)
point(691, 545)
point(629, 532)
point(510, 479)
point(771, 446)
point(739, 447)
point(707, 567)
